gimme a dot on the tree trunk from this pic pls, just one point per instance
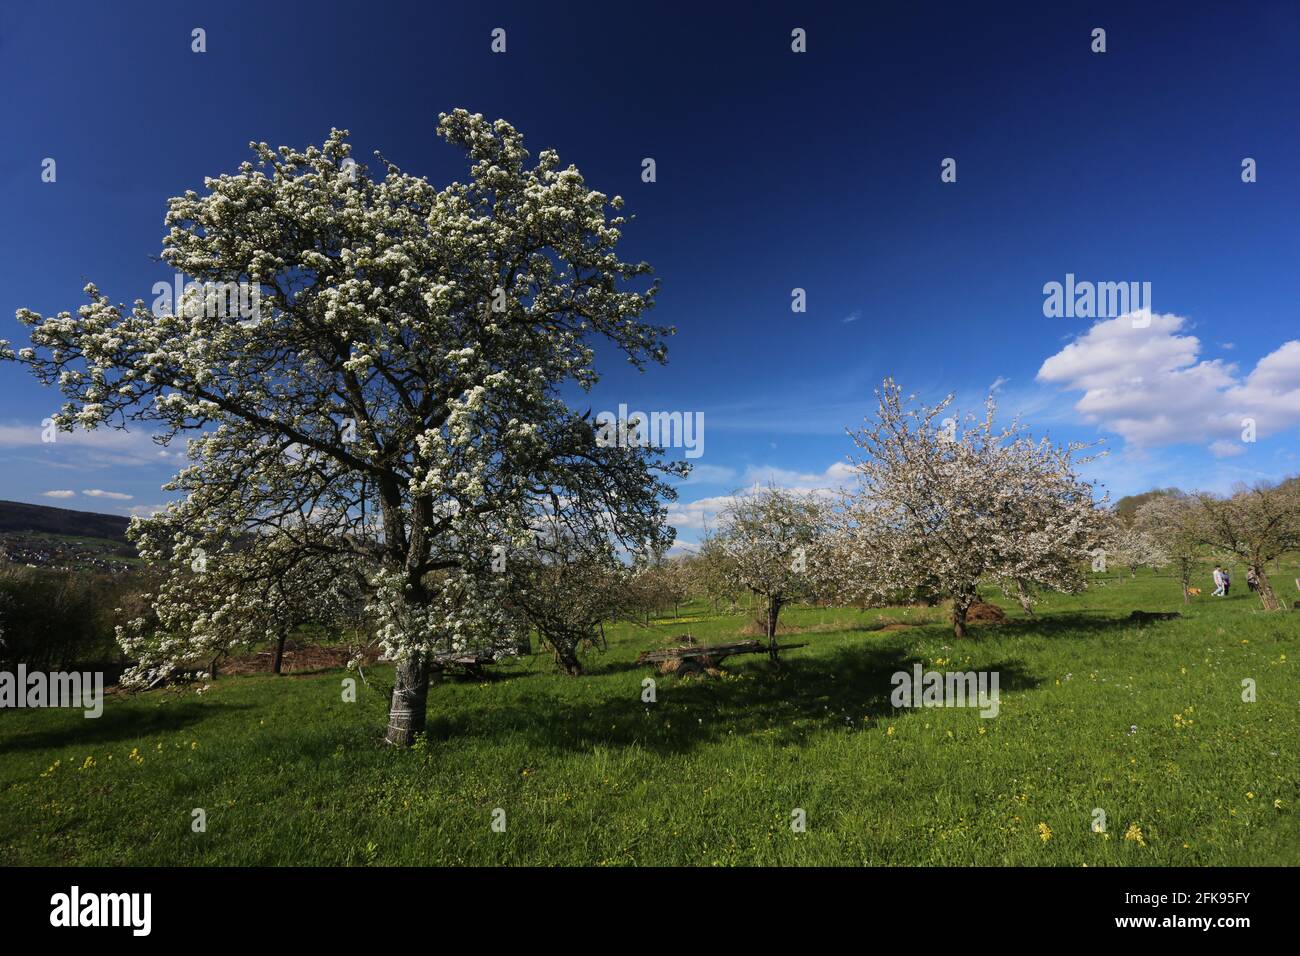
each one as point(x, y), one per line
point(567, 659)
point(773, 611)
point(959, 609)
point(1266, 594)
point(278, 660)
point(408, 710)
point(1022, 593)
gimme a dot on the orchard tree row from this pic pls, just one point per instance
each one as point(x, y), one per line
point(383, 446)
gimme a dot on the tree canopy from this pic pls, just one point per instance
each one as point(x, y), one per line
point(947, 504)
point(396, 395)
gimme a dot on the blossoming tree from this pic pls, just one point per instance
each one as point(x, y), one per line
point(771, 544)
point(1170, 519)
point(1257, 524)
point(566, 590)
point(1133, 546)
point(397, 390)
point(949, 504)
point(258, 593)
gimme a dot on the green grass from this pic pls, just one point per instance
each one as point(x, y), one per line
point(710, 774)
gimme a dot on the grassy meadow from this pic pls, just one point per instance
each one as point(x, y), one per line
point(1146, 723)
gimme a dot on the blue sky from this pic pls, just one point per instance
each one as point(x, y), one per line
point(775, 170)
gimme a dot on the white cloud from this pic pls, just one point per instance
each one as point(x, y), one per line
point(1131, 470)
point(710, 475)
point(697, 515)
point(142, 511)
point(1149, 385)
point(1226, 449)
point(91, 449)
point(833, 477)
point(702, 513)
point(100, 493)
point(58, 494)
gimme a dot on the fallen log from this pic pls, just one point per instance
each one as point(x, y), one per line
point(715, 651)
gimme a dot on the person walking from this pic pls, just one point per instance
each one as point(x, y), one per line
point(1227, 582)
point(1252, 580)
point(1218, 582)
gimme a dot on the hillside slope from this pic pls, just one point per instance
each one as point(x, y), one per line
point(16, 516)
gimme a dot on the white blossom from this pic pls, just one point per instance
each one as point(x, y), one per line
point(943, 506)
point(376, 300)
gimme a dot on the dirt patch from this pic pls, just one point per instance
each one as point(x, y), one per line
point(890, 626)
point(680, 640)
point(298, 658)
point(982, 612)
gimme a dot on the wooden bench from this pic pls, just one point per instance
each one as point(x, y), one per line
point(469, 663)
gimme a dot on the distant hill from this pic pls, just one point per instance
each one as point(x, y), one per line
point(18, 517)
point(1126, 508)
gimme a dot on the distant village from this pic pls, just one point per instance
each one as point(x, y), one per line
point(60, 553)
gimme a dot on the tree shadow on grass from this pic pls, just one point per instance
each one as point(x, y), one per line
point(116, 724)
point(595, 667)
point(806, 696)
point(1074, 623)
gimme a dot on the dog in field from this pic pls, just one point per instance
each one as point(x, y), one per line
point(1193, 592)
